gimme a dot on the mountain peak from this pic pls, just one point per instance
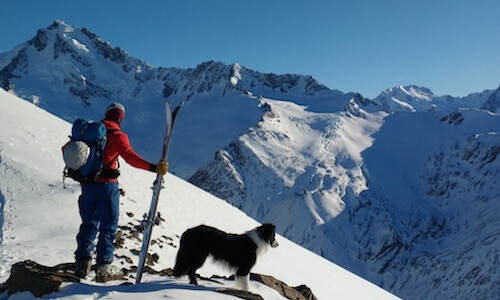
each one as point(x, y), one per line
point(411, 91)
point(61, 26)
point(409, 98)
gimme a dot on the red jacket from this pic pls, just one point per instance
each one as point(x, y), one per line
point(118, 144)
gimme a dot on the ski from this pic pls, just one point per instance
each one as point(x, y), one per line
point(157, 186)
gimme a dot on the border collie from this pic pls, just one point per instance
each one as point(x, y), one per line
point(237, 251)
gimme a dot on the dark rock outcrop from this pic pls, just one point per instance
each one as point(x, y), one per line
point(240, 294)
point(301, 292)
point(37, 279)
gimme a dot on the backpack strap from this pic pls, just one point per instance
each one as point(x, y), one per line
point(106, 171)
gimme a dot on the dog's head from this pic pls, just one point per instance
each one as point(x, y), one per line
point(267, 232)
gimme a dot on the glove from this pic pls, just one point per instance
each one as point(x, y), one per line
point(162, 167)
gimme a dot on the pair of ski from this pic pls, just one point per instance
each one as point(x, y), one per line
point(149, 221)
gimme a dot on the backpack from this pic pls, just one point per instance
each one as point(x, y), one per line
point(84, 153)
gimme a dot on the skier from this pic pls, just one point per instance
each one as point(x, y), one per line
point(99, 201)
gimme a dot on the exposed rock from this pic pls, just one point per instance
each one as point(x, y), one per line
point(301, 292)
point(240, 294)
point(151, 259)
point(37, 279)
point(149, 270)
point(41, 280)
point(40, 40)
point(455, 118)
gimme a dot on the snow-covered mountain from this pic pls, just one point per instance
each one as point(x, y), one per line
point(398, 199)
point(414, 99)
point(39, 221)
point(387, 188)
point(72, 73)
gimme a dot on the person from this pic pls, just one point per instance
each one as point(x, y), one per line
point(99, 201)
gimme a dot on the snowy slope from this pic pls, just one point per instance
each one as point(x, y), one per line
point(297, 161)
point(39, 220)
point(438, 187)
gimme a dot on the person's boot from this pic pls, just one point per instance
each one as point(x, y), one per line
point(82, 267)
point(107, 272)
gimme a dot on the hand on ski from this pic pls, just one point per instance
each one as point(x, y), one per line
point(162, 167)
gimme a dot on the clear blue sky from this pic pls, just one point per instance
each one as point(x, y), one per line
point(449, 46)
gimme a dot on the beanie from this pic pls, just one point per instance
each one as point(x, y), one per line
point(115, 112)
point(115, 105)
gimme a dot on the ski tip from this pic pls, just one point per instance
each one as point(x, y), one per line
point(169, 105)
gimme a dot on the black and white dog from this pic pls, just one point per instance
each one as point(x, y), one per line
point(237, 251)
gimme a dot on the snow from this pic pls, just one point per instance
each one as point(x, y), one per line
point(80, 46)
point(39, 221)
point(236, 74)
point(66, 28)
point(315, 153)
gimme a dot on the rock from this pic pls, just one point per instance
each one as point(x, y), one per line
point(305, 291)
point(37, 279)
point(301, 292)
point(151, 259)
point(240, 294)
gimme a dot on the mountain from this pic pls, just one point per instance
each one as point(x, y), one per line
point(386, 196)
point(39, 221)
point(386, 187)
point(72, 72)
point(493, 102)
point(414, 99)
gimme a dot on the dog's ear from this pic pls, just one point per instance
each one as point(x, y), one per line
point(269, 226)
point(267, 229)
point(268, 232)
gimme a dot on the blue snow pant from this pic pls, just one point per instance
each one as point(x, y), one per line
point(99, 209)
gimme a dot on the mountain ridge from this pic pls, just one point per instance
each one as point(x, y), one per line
point(74, 73)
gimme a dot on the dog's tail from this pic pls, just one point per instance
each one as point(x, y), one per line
point(181, 262)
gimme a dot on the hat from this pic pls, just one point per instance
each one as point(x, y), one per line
point(115, 105)
point(115, 112)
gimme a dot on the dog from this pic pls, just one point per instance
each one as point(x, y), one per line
point(239, 252)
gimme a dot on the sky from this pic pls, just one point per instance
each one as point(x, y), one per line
point(448, 46)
